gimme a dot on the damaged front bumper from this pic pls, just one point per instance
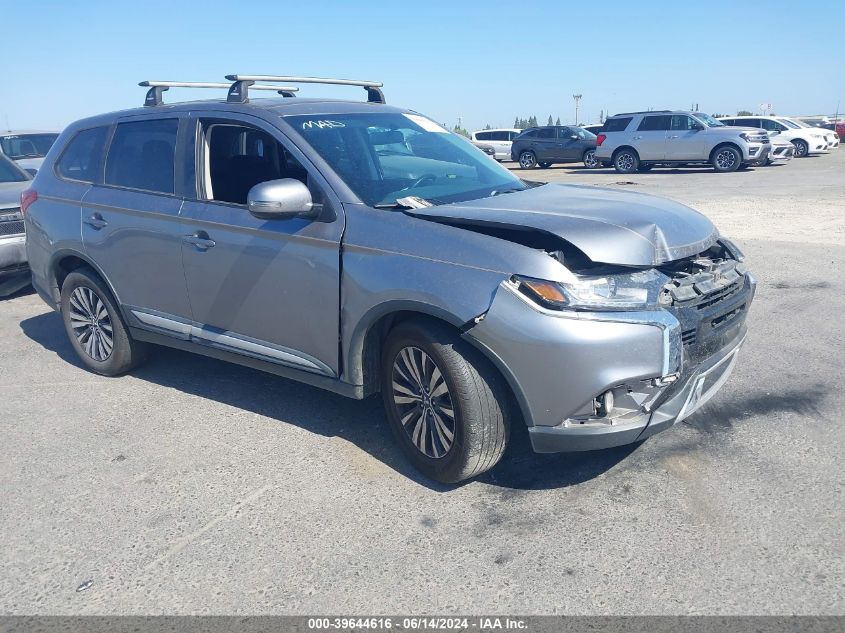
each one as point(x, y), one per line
point(592, 380)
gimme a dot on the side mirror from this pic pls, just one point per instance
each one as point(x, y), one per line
point(281, 200)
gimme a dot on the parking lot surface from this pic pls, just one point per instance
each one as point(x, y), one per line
point(196, 486)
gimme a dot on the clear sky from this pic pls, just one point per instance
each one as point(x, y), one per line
point(485, 61)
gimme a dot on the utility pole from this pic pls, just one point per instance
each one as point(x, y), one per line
point(577, 103)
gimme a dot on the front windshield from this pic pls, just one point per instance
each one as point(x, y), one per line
point(9, 172)
point(386, 156)
point(17, 146)
point(708, 120)
point(790, 123)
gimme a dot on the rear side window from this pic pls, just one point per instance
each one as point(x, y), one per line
point(529, 134)
point(142, 155)
point(654, 123)
point(483, 136)
point(546, 132)
point(616, 125)
point(82, 155)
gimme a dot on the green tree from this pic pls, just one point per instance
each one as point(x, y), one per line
point(532, 121)
point(459, 130)
point(550, 120)
point(558, 121)
point(516, 124)
point(744, 113)
point(487, 127)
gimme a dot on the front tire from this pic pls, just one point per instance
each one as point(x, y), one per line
point(726, 159)
point(626, 161)
point(590, 160)
point(801, 148)
point(95, 327)
point(527, 160)
point(447, 406)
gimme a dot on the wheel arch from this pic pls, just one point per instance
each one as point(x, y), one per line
point(64, 262)
point(621, 147)
point(363, 363)
point(727, 144)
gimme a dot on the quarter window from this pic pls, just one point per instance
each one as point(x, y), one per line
point(81, 157)
point(142, 155)
point(619, 124)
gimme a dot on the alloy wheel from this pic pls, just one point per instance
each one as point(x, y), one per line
point(625, 161)
point(726, 159)
point(527, 160)
point(91, 323)
point(590, 160)
point(423, 402)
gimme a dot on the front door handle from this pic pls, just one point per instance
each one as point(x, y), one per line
point(636, 138)
point(199, 240)
point(95, 221)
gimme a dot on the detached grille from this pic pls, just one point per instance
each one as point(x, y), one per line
point(15, 227)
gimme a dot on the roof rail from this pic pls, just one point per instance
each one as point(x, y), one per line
point(239, 92)
point(156, 88)
point(644, 112)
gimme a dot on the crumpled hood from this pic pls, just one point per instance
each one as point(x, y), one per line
point(609, 226)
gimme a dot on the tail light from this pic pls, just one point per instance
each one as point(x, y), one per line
point(600, 139)
point(27, 198)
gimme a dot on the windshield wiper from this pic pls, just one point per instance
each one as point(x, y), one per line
point(409, 202)
point(496, 192)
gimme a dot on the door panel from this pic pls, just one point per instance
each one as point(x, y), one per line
point(684, 140)
point(266, 288)
point(134, 237)
point(568, 149)
point(270, 283)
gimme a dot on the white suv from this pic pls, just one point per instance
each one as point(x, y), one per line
point(807, 140)
point(499, 139)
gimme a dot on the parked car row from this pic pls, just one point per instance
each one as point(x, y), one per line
point(639, 141)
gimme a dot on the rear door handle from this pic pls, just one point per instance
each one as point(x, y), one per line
point(95, 221)
point(199, 240)
point(636, 138)
point(675, 136)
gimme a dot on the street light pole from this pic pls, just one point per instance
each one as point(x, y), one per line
point(577, 102)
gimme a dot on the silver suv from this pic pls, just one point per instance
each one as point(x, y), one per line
point(638, 141)
point(362, 248)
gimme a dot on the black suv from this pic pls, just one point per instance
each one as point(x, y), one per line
point(544, 146)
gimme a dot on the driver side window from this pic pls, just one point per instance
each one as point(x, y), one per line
point(237, 157)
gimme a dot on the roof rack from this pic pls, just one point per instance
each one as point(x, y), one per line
point(239, 92)
point(156, 88)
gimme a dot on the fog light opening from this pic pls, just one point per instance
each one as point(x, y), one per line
point(604, 404)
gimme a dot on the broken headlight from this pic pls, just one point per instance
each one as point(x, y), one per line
point(629, 291)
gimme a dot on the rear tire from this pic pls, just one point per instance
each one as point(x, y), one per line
point(726, 158)
point(527, 160)
point(447, 406)
point(626, 161)
point(590, 160)
point(801, 148)
point(95, 326)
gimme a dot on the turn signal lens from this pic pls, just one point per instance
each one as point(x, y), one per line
point(546, 293)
